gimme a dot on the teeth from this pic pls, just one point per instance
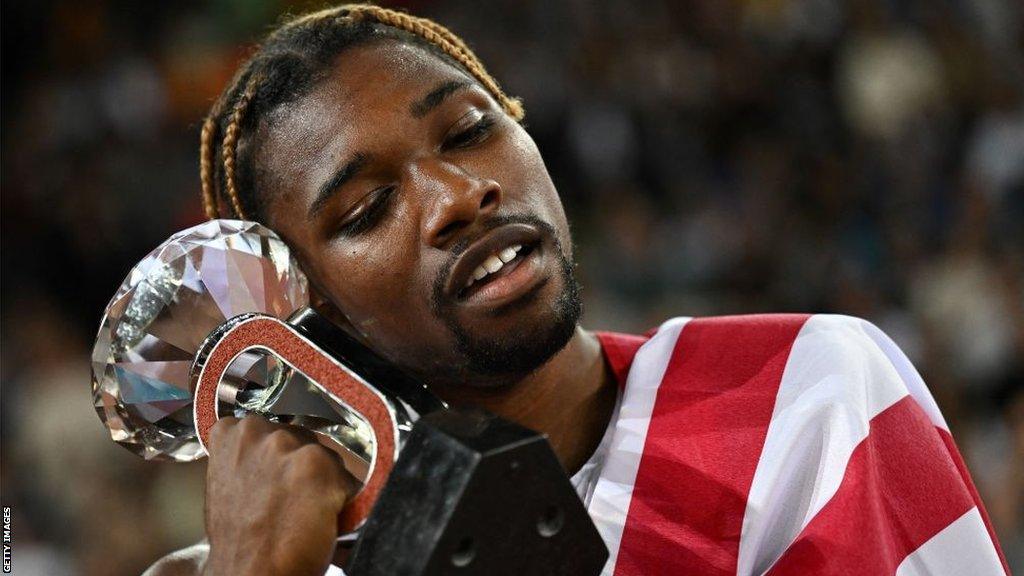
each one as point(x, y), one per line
point(507, 255)
point(494, 263)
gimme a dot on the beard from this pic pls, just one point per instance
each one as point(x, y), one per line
point(517, 354)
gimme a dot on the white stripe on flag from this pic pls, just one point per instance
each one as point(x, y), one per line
point(915, 384)
point(610, 504)
point(836, 380)
point(963, 547)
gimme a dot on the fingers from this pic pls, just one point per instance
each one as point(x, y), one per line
point(253, 429)
point(272, 483)
point(323, 472)
point(220, 429)
point(255, 442)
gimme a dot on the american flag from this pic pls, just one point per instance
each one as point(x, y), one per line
point(782, 444)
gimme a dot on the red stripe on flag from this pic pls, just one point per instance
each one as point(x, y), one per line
point(900, 489)
point(958, 460)
point(619, 351)
point(705, 436)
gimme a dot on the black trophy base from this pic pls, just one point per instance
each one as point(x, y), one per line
point(474, 494)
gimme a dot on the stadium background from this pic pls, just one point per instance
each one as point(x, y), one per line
point(715, 157)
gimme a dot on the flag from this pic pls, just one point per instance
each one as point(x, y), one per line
point(782, 445)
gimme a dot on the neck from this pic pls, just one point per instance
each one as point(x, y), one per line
point(570, 399)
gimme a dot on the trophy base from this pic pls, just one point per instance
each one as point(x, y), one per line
point(474, 494)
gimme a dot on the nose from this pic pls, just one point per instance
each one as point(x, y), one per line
point(455, 199)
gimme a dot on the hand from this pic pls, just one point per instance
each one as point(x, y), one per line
point(273, 495)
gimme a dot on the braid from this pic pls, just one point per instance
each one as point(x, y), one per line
point(452, 45)
point(206, 160)
point(229, 148)
point(286, 66)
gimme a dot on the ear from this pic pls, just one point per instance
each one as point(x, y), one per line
point(326, 308)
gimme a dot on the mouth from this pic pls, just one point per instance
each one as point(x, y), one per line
point(499, 267)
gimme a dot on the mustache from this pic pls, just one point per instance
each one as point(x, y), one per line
point(462, 245)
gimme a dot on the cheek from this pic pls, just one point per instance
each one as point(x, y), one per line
point(531, 176)
point(379, 288)
point(366, 283)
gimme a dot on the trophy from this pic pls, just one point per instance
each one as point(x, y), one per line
point(215, 322)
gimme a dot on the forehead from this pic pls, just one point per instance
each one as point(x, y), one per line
point(363, 100)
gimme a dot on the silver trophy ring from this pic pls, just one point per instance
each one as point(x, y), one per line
point(259, 332)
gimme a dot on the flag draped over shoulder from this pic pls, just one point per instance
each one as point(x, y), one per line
point(779, 445)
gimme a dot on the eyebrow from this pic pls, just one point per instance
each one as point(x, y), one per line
point(331, 187)
point(435, 97)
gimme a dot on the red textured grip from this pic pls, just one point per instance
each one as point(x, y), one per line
point(281, 339)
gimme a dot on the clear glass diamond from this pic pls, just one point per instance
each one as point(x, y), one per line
point(163, 311)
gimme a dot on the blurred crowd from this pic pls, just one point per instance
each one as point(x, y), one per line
point(715, 157)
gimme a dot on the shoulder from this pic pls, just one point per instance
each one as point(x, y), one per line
point(844, 352)
point(845, 361)
point(185, 562)
point(830, 334)
point(838, 344)
point(802, 345)
point(869, 359)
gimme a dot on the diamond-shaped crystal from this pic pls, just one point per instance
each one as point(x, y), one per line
point(165, 308)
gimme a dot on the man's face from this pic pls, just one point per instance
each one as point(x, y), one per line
point(398, 181)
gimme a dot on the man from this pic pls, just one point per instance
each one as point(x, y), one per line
point(378, 147)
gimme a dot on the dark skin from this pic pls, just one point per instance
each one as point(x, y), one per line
point(442, 168)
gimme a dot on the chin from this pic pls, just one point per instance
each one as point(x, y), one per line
point(501, 345)
point(522, 346)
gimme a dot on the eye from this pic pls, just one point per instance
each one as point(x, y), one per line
point(370, 210)
point(477, 132)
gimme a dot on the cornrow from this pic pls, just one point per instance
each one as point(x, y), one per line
point(206, 161)
point(229, 148)
point(450, 43)
point(286, 65)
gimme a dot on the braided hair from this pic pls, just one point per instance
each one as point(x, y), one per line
point(285, 67)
